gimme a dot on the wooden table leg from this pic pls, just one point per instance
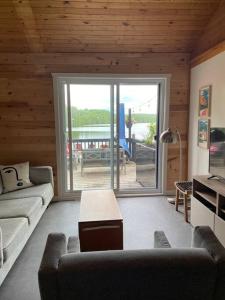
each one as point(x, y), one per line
point(177, 199)
point(186, 207)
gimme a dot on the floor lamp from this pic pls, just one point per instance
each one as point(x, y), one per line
point(173, 137)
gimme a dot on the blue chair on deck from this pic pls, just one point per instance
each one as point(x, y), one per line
point(122, 139)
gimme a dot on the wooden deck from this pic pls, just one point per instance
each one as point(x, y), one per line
point(99, 177)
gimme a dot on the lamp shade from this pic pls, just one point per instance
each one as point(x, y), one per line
point(169, 137)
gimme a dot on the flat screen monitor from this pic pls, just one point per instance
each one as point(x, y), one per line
point(217, 152)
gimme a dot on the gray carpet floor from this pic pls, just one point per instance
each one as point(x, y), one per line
point(142, 216)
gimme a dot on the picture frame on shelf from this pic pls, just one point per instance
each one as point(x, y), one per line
point(203, 133)
point(204, 110)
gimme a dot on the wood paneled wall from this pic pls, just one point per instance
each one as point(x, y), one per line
point(213, 33)
point(27, 125)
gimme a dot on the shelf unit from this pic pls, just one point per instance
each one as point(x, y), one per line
point(210, 197)
point(208, 205)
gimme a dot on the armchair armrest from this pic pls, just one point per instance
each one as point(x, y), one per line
point(73, 245)
point(160, 240)
point(1, 248)
point(204, 237)
point(42, 174)
point(47, 274)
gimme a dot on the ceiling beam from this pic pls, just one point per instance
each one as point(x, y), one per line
point(25, 14)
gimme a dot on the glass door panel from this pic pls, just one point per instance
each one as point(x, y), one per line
point(91, 137)
point(67, 162)
point(138, 129)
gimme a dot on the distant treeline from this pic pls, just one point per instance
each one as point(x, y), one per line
point(82, 117)
point(143, 118)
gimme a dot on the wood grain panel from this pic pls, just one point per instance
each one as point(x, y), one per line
point(27, 127)
point(25, 13)
point(214, 32)
point(103, 26)
point(122, 4)
point(68, 24)
point(208, 54)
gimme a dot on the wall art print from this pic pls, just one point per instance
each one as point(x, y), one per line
point(205, 101)
point(203, 133)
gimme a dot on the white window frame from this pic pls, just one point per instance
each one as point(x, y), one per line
point(61, 78)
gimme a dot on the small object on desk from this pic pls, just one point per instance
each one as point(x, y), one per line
point(185, 189)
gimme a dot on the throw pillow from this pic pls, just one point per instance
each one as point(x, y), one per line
point(15, 177)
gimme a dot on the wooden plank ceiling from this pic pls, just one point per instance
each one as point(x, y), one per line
point(103, 25)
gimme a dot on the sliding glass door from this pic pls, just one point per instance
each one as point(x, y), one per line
point(108, 133)
point(89, 136)
point(141, 115)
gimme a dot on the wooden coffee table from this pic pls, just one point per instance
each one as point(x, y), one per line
point(100, 223)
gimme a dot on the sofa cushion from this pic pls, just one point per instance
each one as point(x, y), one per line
point(15, 177)
point(24, 207)
point(13, 232)
point(45, 191)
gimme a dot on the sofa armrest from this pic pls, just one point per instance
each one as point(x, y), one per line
point(42, 174)
point(1, 249)
point(160, 240)
point(47, 274)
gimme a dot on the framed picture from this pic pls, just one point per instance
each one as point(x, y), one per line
point(203, 133)
point(205, 101)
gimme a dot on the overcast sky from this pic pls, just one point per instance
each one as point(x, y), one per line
point(141, 99)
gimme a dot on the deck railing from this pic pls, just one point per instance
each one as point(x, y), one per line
point(83, 144)
point(137, 149)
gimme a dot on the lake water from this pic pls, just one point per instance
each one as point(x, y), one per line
point(140, 130)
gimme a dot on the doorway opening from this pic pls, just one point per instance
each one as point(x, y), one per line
point(108, 133)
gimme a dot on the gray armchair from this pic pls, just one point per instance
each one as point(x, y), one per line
point(157, 274)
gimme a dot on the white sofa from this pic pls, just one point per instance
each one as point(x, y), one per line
point(20, 212)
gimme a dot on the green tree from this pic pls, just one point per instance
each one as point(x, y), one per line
point(151, 133)
point(85, 117)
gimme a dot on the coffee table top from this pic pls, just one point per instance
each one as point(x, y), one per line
point(99, 205)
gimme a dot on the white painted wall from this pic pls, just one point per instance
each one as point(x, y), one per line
point(211, 72)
